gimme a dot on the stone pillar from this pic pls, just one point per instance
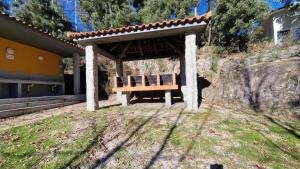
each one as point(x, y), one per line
point(168, 98)
point(191, 71)
point(119, 73)
point(92, 97)
point(76, 73)
point(183, 78)
point(125, 99)
point(19, 92)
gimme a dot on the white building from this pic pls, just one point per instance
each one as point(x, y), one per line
point(282, 24)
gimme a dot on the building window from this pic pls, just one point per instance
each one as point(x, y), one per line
point(282, 35)
point(10, 54)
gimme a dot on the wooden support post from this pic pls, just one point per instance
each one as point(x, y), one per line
point(116, 81)
point(129, 81)
point(143, 80)
point(174, 78)
point(158, 79)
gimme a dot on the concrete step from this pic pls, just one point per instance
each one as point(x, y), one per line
point(14, 107)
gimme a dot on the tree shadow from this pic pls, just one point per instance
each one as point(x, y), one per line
point(124, 143)
point(110, 106)
point(86, 150)
point(96, 140)
point(271, 142)
point(254, 93)
point(165, 141)
point(291, 131)
point(202, 83)
point(194, 138)
point(277, 146)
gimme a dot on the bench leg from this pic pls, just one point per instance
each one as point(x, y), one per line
point(125, 99)
point(119, 97)
point(168, 98)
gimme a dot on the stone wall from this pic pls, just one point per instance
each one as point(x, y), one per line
point(268, 82)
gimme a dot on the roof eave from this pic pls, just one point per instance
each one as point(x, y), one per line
point(18, 31)
point(143, 34)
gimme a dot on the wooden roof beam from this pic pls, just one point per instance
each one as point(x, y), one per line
point(115, 47)
point(146, 57)
point(123, 54)
point(140, 48)
point(105, 53)
point(176, 49)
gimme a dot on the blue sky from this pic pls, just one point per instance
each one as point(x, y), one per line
point(203, 6)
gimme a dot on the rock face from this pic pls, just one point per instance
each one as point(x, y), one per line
point(268, 81)
point(264, 82)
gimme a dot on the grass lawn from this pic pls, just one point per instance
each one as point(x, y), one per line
point(153, 137)
point(55, 142)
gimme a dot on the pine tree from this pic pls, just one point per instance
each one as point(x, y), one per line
point(44, 14)
point(107, 13)
point(235, 20)
point(292, 5)
point(159, 10)
point(117, 13)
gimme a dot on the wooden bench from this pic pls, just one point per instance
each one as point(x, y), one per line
point(159, 82)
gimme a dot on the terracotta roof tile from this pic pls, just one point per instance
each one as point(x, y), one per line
point(176, 22)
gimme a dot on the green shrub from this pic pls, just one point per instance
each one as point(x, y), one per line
point(214, 60)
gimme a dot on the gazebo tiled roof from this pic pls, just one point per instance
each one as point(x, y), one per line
point(196, 19)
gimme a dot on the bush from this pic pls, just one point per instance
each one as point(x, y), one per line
point(214, 61)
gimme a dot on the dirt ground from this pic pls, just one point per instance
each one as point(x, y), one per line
point(153, 136)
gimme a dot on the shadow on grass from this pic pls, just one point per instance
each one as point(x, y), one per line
point(274, 144)
point(122, 144)
point(96, 141)
point(291, 131)
point(165, 141)
point(278, 147)
point(110, 106)
point(194, 138)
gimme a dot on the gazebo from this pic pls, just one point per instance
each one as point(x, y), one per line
point(174, 38)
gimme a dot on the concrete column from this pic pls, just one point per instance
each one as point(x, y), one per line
point(76, 73)
point(168, 98)
point(183, 78)
point(63, 87)
point(19, 90)
point(191, 71)
point(125, 99)
point(119, 73)
point(92, 97)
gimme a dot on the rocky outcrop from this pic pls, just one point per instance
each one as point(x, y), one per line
point(268, 82)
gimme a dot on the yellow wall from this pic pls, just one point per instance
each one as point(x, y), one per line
point(26, 60)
